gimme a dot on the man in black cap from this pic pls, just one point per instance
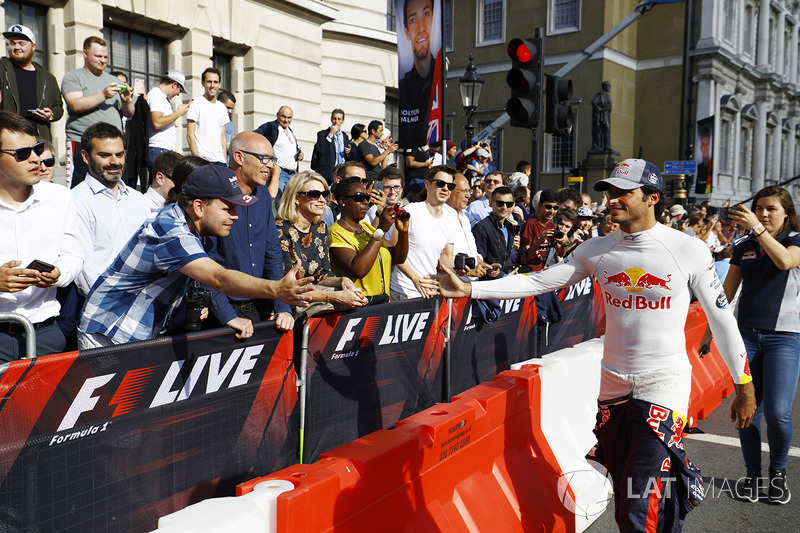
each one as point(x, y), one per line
point(135, 297)
point(647, 274)
point(26, 87)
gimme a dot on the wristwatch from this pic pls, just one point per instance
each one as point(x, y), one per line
point(378, 234)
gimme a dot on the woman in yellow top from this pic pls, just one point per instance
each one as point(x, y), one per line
point(357, 248)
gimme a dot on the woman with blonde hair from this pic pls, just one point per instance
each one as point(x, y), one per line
point(304, 239)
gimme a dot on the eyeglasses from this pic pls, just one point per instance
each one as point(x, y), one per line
point(550, 207)
point(357, 197)
point(264, 158)
point(314, 194)
point(442, 183)
point(501, 203)
point(392, 187)
point(49, 162)
point(22, 154)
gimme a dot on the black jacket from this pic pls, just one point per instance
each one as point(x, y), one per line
point(48, 94)
point(491, 242)
point(323, 159)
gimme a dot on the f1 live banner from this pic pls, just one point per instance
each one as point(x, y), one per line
point(111, 439)
point(369, 368)
point(479, 350)
point(584, 316)
point(419, 59)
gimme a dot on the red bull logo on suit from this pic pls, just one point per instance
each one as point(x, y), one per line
point(635, 279)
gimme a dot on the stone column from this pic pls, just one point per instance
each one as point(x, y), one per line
point(82, 19)
point(760, 145)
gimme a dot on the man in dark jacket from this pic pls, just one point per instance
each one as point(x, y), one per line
point(26, 87)
point(332, 147)
point(496, 236)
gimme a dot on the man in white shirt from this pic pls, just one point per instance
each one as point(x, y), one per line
point(431, 235)
point(109, 212)
point(285, 147)
point(464, 239)
point(37, 222)
point(161, 129)
point(205, 121)
point(162, 182)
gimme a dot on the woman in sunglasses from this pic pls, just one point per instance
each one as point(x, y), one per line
point(358, 249)
point(47, 161)
point(304, 239)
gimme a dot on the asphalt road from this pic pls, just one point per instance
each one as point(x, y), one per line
point(717, 454)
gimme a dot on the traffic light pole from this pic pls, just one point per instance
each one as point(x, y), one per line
point(536, 167)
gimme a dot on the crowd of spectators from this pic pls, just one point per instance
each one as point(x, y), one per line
point(355, 230)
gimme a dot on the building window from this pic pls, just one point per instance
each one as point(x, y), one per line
point(565, 15)
point(772, 41)
point(491, 21)
point(495, 143)
point(448, 25)
point(391, 17)
point(222, 62)
point(138, 55)
point(744, 153)
point(562, 152)
point(34, 17)
point(722, 158)
point(729, 20)
point(749, 27)
point(391, 115)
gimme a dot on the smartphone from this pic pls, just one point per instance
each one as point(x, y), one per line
point(41, 266)
point(722, 214)
point(121, 88)
point(377, 185)
point(138, 86)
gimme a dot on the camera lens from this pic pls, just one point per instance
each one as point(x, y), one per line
point(558, 235)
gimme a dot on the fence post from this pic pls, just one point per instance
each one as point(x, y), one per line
point(302, 384)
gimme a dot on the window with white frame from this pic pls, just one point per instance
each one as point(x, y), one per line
point(392, 111)
point(768, 160)
point(772, 40)
point(749, 27)
point(34, 17)
point(391, 17)
point(745, 156)
point(222, 62)
point(784, 170)
point(448, 25)
point(491, 21)
point(729, 18)
point(787, 40)
point(565, 15)
point(722, 159)
point(561, 155)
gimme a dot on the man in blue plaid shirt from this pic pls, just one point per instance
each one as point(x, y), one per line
point(135, 297)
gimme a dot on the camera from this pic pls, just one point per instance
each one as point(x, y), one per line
point(400, 213)
point(197, 298)
point(464, 262)
point(558, 235)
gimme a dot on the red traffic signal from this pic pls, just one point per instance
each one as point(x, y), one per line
point(525, 80)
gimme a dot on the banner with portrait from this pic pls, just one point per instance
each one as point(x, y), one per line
point(419, 59)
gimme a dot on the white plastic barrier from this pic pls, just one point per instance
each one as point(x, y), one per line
point(255, 512)
point(570, 386)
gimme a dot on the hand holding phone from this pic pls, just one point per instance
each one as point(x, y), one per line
point(41, 266)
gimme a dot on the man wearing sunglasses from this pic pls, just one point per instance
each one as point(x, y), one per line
point(537, 231)
point(27, 88)
point(431, 236)
point(37, 222)
point(480, 209)
point(497, 236)
point(252, 246)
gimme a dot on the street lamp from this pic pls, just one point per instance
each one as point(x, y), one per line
point(470, 85)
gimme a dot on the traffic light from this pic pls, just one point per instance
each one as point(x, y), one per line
point(525, 79)
point(558, 113)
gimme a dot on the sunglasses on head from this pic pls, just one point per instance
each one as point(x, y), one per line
point(358, 197)
point(49, 162)
point(501, 203)
point(364, 181)
point(442, 183)
point(22, 154)
point(314, 194)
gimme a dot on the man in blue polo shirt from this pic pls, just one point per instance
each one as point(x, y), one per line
point(135, 297)
point(252, 246)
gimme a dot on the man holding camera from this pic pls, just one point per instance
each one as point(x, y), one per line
point(497, 236)
point(537, 232)
point(136, 296)
point(431, 235)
